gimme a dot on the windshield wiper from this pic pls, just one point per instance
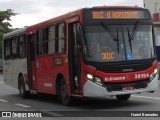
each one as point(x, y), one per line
point(132, 35)
point(129, 36)
point(134, 31)
point(115, 38)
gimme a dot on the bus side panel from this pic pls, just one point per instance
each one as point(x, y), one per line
point(45, 74)
point(12, 69)
point(49, 75)
point(62, 69)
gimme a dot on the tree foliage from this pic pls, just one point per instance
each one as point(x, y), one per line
point(5, 17)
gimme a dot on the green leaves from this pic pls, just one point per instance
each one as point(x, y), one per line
point(5, 16)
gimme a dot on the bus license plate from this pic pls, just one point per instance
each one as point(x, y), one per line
point(127, 88)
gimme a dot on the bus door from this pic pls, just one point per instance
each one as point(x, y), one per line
point(44, 59)
point(31, 61)
point(74, 57)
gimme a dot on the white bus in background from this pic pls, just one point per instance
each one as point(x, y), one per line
point(15, 61)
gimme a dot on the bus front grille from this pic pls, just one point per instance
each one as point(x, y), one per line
point(119, 86)
point(123, 66)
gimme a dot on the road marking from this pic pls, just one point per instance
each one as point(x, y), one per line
point(22, 105)
point(52, 113)
point(156, 98)
point(1, 100)
point(1, 82)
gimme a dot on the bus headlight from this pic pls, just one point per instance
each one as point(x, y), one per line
point(153, 74)
point(89, 76)
point(94, 79)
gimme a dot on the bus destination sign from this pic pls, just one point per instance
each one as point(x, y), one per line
point(117, 14)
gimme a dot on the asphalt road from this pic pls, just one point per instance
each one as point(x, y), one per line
point(93, 109)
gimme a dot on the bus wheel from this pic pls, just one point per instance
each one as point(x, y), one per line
point(22, 91)
point(123, 97)
point(65, 99)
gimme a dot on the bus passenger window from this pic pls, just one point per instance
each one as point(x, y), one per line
point(51, 39)
point(14, 47)
point(7, 49)
point(39, 43)
point(61, 38)
point(21, 46)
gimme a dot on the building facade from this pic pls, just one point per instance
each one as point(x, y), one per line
point(154, 7)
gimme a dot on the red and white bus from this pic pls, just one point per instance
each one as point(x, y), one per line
point(92, 52)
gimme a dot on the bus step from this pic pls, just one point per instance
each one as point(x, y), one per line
point(33, 91)
point(74, 95)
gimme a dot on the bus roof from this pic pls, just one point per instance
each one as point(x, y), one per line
point(120, 7)
point(16, 32)
point(77, 12)
point(55, 19)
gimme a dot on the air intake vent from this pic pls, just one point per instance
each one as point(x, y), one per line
point(123, 66)
point(119, 86)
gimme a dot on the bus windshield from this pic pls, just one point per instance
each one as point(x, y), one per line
point(106, 42)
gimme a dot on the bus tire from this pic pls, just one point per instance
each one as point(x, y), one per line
point(22, 90)
point(65, 99)
point(123, 97)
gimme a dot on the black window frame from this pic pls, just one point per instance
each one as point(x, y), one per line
point(42, 39)
point(21, 46)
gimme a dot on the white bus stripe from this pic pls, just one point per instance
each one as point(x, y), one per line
point(2, 100)
point(22, 105)
point(138, 96)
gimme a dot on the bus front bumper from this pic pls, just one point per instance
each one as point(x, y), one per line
point(93, 90)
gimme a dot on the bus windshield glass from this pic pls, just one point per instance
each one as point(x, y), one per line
point(106, 42)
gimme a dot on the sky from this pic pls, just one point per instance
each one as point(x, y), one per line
point(35, 11)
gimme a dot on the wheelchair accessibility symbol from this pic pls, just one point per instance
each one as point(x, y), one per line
point(129, 56)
